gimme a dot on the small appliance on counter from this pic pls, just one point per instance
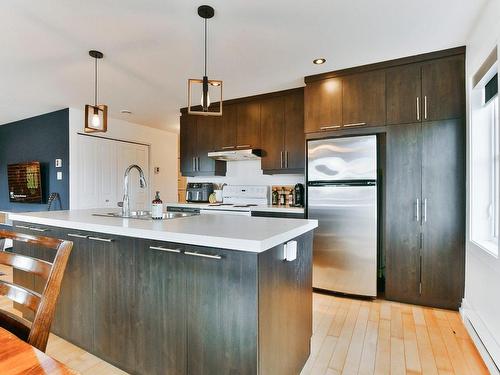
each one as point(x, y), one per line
point(199, 191)
point(298, 195)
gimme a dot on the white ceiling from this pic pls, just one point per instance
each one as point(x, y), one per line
point(152, 47)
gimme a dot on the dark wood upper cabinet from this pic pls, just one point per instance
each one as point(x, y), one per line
point(282, 127)
point(209, 130)
point(363, 99)
point(404, 94)
point(188, 144)
point(248, 125)
point(198, 136)
point(273, 133)
point(229, 127)
point(443, 88)
point(323, 105)
point(294, 131)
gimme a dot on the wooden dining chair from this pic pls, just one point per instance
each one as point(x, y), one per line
point(43, 305)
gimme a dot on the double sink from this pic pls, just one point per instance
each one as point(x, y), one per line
point(146, 215)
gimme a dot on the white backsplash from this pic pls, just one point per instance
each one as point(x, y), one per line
point(249, 173)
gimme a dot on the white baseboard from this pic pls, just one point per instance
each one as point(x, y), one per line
point(485, 343)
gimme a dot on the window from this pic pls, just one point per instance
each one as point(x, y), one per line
point(485, 172)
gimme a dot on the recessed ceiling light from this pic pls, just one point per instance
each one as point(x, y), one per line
point(319, 61)
point(126, 112)
point(215, 84)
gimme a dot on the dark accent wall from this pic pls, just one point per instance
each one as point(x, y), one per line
point(43, 138)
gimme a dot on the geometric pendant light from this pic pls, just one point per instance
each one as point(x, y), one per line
point(96, 115)
point(205, 90)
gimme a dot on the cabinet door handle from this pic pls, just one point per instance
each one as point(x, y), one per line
point(165, 249)
point(418, 108)
point(228, 147)
point(244, 146)
point(286, 159)
point(425, 107)
point(425, 210)
point(201, 255)
point(100, 239)
point(281, 159)
point(330, 127)
point(77, 235)
point(193, 166)
point(22, 227)
point(417, 213)
point(198, 163)
point(355, 124)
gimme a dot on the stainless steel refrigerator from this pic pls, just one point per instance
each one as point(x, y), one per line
point(342, 195)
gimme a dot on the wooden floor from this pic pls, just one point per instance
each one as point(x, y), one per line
point(383, 337)
point(349, 337)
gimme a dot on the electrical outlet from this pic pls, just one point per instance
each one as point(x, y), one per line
point(157, 170)
point(58, 163)
point(59, 176)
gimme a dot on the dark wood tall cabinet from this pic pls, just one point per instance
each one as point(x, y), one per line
point(425, 213)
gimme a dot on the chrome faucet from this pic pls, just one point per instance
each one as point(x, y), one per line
point(142, 184)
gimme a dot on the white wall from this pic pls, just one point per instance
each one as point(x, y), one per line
point(163, 149)
point(249, 173)
point(481, 305)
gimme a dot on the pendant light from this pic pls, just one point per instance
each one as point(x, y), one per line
point(96, 115)
point(205, 85)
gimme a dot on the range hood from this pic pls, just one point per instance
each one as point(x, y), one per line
point(235, 155)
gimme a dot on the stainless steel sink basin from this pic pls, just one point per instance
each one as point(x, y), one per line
point(146, 215)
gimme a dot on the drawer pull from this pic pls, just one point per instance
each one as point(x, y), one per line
point(77, 235)
point(100, 239)
point(228, 147)
point(38, 229)
point(330, 127)
point(165, 249)
point(356, 124)
point(244, 146)
point(31, 228)
point(22, 227)
point(201, 255)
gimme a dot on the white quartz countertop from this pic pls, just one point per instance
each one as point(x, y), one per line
point(253, 234)
point(260, 208)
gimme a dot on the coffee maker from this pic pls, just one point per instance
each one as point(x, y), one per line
point(298, 195)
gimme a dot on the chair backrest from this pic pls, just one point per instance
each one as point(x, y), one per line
point(43, 305)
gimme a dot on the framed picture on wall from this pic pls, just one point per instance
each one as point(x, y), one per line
point(25, 182)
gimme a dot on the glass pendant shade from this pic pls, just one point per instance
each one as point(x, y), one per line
point(96, 118)
point(196, 95)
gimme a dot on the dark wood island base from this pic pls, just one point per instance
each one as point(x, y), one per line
point(151, 307)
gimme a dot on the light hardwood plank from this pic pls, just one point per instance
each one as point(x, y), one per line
point(397, 356)
point(353, 358)
point(438, 347)
point(383, 356)
point(339, 355)
point(396, 322)
point(425, 350)
point(367, 365)
point(410, 343)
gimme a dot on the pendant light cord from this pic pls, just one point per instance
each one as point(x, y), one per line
point(205, 46)
point(95, 86)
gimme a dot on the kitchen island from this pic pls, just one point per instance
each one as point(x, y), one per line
point(195, 295)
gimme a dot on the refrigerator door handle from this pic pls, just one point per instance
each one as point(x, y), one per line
point(417, 213)
point(425, 210)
